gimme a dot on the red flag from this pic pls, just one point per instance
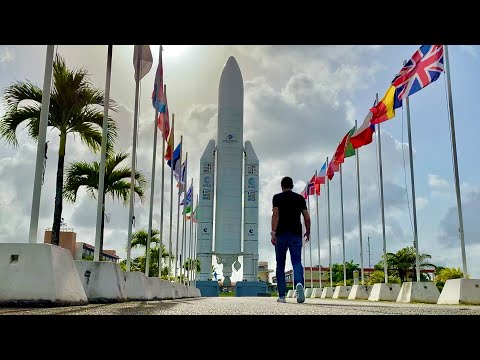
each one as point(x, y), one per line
point(169, 150)
point(363, 135)
point(332, 168)
point(339, 156)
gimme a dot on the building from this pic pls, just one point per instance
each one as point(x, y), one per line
point(79, 250)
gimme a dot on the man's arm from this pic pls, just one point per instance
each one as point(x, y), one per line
point(306, 220)
point(275, 218)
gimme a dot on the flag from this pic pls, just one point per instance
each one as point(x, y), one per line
point(349, 149)
point(321, 174)
point(143, 54)
point(196, 214)
point(423, 68)
point(177, 171)
point(332, 168)
point(385, 109)
point(168, 151)
point(340, 154)
point(304, 192)
point(164, 120)
point(175, 156)
point(313, 186)
point(363, 135)
point(158, 94)
point(182, 177)
point(187, 201)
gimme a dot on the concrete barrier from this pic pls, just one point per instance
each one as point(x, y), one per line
point(103, 281)
point(166, 289)
point(155, 288)
point(341, 292)
point(316, 293)
point(136, 286)
point(290, 294)
point(384, 292)
point(418, 292)
point(38, 275)
point(327, 292)
point(308, 292)
point(358, 292)
point(460, 291)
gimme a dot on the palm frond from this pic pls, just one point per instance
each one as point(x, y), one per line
point(80, 174)
point(19, 91)
point(11, 121)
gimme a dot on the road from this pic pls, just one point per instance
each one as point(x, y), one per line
point(251, 306)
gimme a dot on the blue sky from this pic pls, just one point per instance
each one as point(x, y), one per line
point(299, 102)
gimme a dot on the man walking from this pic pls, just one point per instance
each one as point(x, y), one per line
point(287, 235)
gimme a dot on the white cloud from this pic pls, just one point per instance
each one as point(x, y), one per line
point(7, 54)
point(437, 183)
point(421, 203)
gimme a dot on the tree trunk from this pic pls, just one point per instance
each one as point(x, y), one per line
point(57, 214)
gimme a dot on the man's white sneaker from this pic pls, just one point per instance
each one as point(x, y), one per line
point(300, 293)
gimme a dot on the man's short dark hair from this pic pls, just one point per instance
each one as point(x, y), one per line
point(287, 183)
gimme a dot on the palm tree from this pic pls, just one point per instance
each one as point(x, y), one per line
point(75, 108)
point(449, 273)
point(191, 264)
point(117, 182)
point(404, 261)
point(139, 239)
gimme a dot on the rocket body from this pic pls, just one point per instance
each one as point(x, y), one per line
point(229, 161)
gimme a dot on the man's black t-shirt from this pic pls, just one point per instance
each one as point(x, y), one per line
point(290, 205)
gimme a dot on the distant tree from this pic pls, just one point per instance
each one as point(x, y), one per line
point(404, 261)
point(378, 277)
point(449, 273)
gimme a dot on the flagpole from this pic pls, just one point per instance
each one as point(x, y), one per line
point(160, 254)
point(195, 248)
point(412, 179)
point(152, 192)
point(327, 181)
point(385, 269)
point(310, 242)
point(178, 206)
point(189, 243)
point(318, 238)
point(170, 253)
point(455, 163)
point(101, 181)
point(42, 136)
point(359, 212)
point(184, 220)
point(343, 228)
point(134, 154)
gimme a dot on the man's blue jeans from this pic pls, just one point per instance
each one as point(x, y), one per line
point(292, 242)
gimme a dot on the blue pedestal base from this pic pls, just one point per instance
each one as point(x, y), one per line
point(208, 288)
point(250, 288)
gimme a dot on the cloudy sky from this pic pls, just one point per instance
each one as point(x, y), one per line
point(299, 102)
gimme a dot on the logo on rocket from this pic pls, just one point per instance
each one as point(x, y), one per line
point(251, 183)
point(230, 139)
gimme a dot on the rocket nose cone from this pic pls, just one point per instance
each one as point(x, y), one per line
point(231, 69)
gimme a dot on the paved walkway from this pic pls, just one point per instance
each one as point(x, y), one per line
point(251, 306)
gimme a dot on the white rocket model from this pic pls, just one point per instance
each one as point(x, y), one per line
point(226, 188)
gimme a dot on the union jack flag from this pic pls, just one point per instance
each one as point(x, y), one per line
point(423, 68)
